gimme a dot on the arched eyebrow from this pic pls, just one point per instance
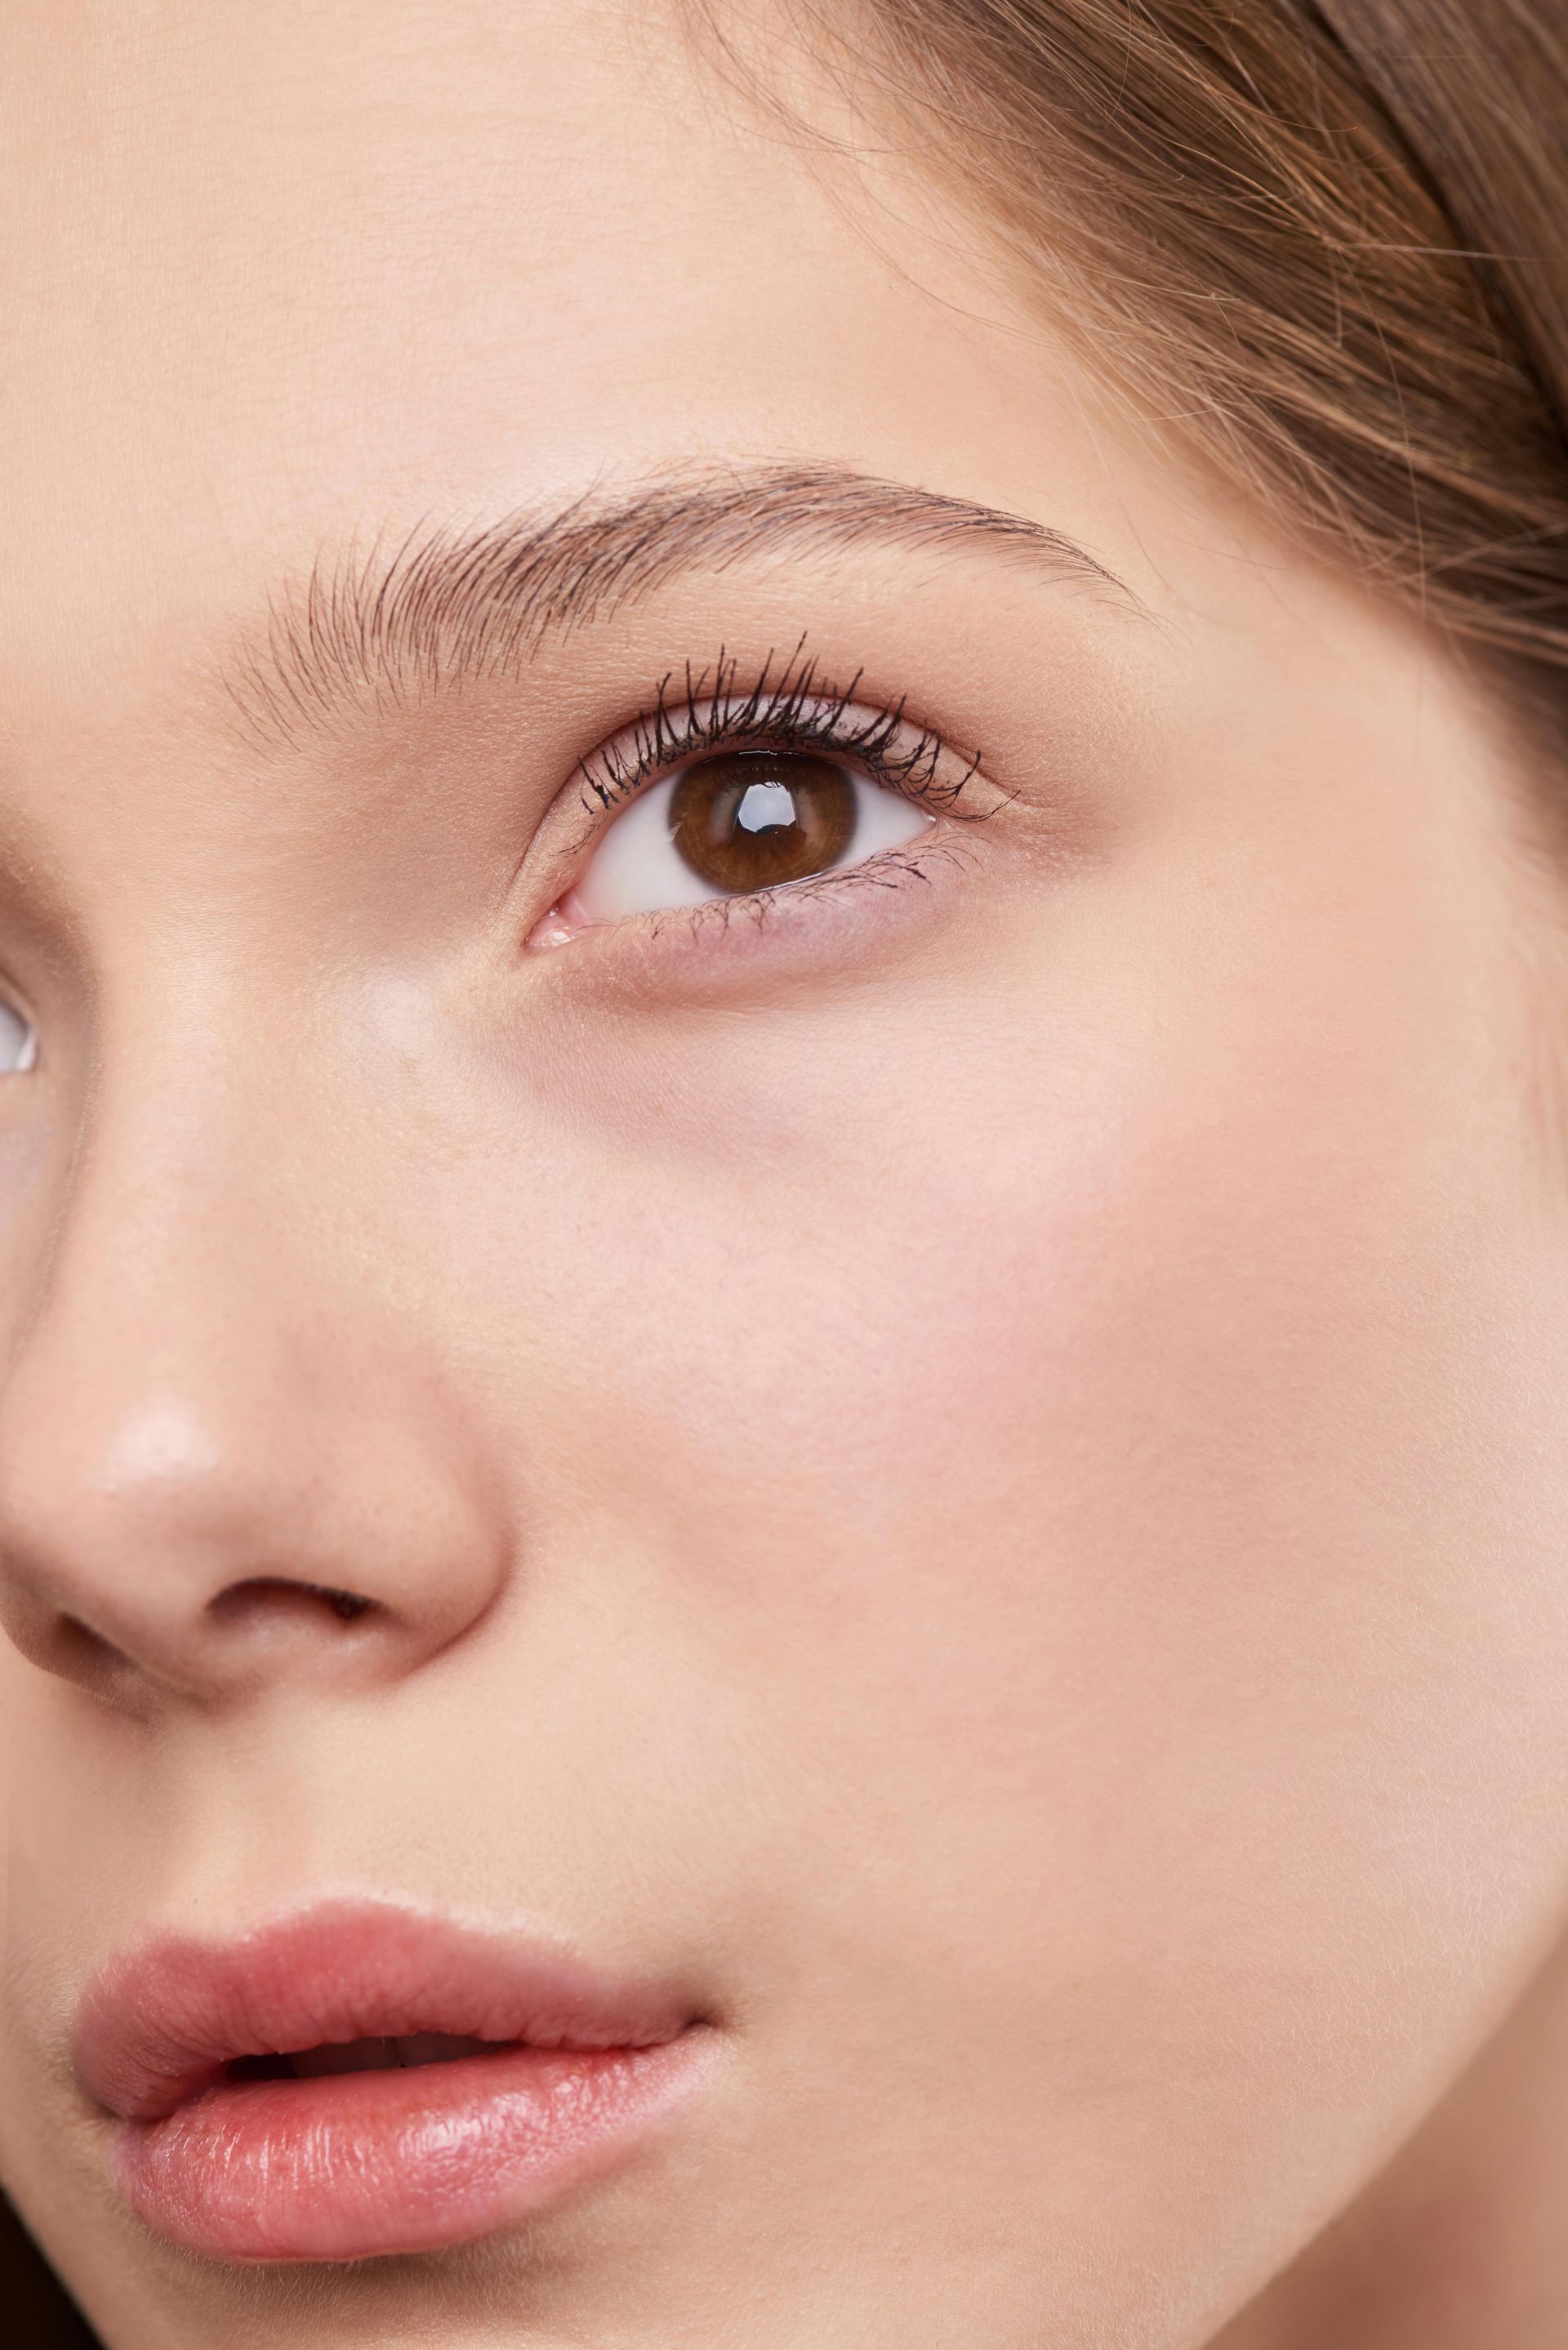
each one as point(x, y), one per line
point(448, 602)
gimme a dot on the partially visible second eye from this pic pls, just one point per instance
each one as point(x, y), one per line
point(18, 1043)
point(737, 822)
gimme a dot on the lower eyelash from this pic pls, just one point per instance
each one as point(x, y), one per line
point(891, 868)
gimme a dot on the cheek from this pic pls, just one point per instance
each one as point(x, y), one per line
point(1116, 1454)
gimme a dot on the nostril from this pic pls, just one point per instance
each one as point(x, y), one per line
point(349, 1605)
point(346, 1604)
point(277, 1595)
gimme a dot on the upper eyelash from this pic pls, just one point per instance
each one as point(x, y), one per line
point(791, 709)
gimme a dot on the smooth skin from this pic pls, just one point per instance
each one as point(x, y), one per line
point(974, 1466)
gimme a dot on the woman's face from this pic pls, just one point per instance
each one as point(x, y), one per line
point(957, 1458)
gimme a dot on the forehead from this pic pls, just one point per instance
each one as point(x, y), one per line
point(269, 272)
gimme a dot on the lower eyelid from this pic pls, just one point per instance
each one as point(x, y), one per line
point(832, 907)
point(802, 908)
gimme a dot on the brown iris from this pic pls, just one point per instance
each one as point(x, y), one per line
point(748, 820)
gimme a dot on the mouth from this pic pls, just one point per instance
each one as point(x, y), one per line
point(380, 2055)
point(358, 2079)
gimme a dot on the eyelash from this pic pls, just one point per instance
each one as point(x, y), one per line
point(792, 711)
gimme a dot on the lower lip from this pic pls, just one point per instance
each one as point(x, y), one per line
point(349, 2165)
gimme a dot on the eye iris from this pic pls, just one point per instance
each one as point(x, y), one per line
point(750, 819)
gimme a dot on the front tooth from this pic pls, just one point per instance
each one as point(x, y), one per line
point(348, 2056)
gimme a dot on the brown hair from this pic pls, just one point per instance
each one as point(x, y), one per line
point(1329, 236)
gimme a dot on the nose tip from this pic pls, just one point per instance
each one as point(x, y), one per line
point(205, 1529)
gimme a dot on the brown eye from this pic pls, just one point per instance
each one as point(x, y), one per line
point(747, 820)
point(734, 823)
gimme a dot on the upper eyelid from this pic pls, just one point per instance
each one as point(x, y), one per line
point(798, 708)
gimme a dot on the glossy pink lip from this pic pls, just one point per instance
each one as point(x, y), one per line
point(349, 2164)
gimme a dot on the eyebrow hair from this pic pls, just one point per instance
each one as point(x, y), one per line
point(449, 601)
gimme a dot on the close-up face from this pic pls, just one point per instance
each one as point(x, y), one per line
point(784, 1280)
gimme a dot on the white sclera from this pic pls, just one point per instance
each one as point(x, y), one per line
point(638, 869)
point(18, 1046)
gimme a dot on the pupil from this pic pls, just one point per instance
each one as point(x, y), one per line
point(748, 820)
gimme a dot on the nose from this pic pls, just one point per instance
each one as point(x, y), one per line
point(229, 1458)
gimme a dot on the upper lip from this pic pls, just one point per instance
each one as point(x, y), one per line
point(160, 2023)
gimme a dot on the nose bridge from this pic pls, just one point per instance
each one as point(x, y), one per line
point(184, 1192)
point(221, 1456)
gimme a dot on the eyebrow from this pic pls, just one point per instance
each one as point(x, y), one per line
point(449, 601)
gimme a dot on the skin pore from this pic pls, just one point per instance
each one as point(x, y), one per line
point(967, 1458)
